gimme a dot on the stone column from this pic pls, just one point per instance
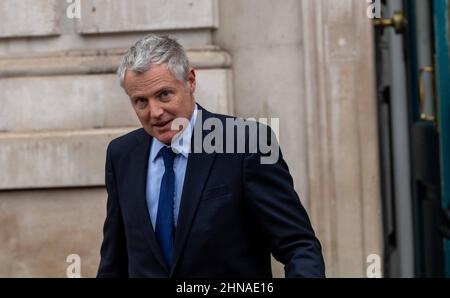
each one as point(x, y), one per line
point(342, 138)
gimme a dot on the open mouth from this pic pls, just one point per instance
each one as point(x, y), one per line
point(162, 124)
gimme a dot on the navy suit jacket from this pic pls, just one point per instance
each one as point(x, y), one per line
point(234, 213)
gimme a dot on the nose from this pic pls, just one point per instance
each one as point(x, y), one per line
point(156, 110)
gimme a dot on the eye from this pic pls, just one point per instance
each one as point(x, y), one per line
point(140, 102)
point(164, 95)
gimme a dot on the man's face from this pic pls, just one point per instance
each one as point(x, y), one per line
point(158, 98)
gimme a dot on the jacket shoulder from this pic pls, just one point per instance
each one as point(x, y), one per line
point(123, 144)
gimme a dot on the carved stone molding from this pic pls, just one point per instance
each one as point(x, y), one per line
point(105, 16)
point(95, 62)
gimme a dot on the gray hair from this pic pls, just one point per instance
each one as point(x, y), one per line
point(154, 49)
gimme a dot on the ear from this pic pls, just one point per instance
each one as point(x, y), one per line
point(191, 80)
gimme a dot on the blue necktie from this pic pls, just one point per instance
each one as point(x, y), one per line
point(164, 229)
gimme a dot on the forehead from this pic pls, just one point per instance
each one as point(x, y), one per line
point(158, 76)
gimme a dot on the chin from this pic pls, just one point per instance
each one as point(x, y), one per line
point(165, 138)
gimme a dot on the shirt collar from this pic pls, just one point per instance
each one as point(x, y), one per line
point(182, 144)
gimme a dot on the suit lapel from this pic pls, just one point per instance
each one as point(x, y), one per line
point(139, 162)
point(197, 172)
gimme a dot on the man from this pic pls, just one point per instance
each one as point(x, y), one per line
point(177, 209)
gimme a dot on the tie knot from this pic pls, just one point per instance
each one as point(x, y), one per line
point(168, 156)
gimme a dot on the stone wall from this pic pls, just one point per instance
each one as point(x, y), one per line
point(60, 105)
point(306, 62)
point(310, 63)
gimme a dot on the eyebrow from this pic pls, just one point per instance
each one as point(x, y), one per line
point(159, 90)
